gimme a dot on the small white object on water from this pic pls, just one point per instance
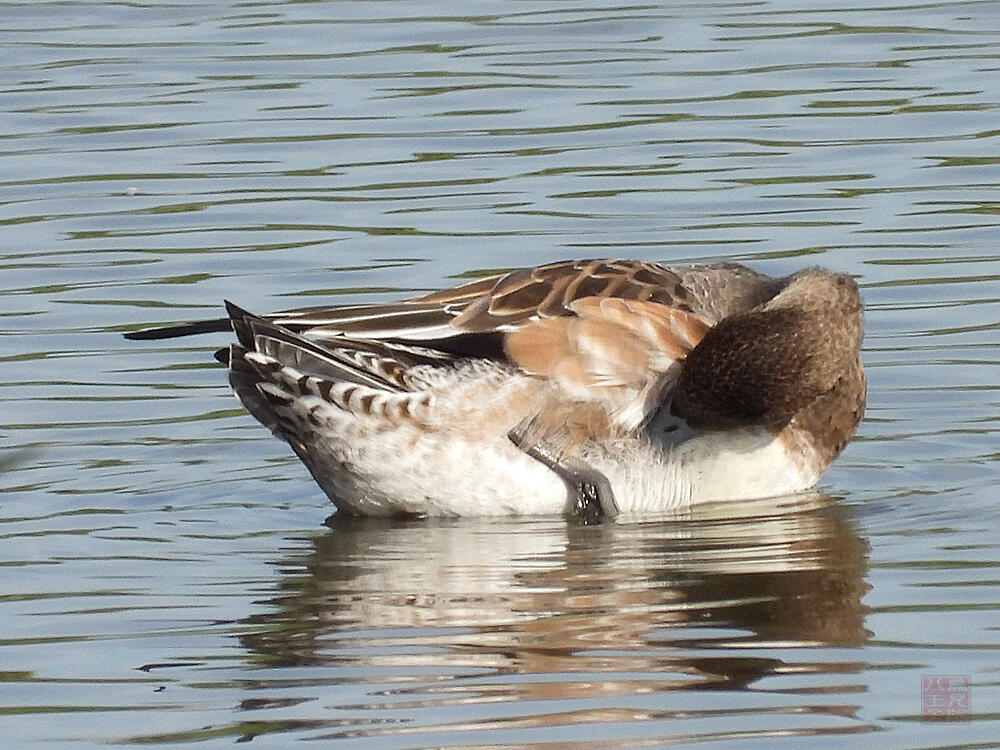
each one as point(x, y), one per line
point(131, 190)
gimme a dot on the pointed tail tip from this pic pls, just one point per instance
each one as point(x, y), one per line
point(237, 317)
point(236, 312)
point(181, 329)
point(242, 322)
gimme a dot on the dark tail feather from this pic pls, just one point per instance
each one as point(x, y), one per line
point(375, 364)
point(182, 329)
point(236, 321)
point(239, 321)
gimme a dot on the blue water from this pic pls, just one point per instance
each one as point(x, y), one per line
point(168, 572)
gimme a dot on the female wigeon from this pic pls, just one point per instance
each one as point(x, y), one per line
point(603, 387)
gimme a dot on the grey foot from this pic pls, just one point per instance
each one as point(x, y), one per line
point(587, 503)
point(589, 491)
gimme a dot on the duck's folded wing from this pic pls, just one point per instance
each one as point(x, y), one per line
point(498, 304)
point(609, 366)
point(471, 319)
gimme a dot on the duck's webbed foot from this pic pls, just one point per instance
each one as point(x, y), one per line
point(589, 491)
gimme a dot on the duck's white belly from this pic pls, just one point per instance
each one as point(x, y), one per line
point(457, 477)
point(377, 469)
point(733, 465)
point(404, 470)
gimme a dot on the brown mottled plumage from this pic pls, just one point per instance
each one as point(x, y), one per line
point(664, 386)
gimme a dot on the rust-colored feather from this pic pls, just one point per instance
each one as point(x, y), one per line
point(614, 357)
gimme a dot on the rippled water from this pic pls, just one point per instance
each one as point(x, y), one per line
point(165, 572)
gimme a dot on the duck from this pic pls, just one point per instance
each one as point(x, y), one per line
point(596, 388)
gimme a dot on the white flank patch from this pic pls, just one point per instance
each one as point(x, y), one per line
point(731, 465)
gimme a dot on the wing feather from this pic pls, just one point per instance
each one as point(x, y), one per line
point(616, 356)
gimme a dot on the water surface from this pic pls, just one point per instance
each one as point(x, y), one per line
point(168, 574)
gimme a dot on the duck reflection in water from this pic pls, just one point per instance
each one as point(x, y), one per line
point(680, 601)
